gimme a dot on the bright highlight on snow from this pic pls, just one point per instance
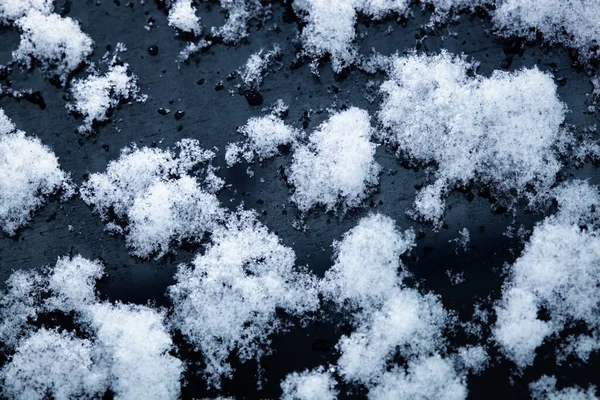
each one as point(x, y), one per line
point(317, 384)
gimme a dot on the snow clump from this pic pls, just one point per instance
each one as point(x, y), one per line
point(182, 16)
point(13, 10)
point(338, 165)
point(545, 389)
point(558, 272)
point(226, 299)
point(253, 72)
point(572, 23)
point(56, 43)
point(504, 131)
point(126, 348)
point(97, 95)
point(155, 197)
point(317, 384)
point(239, 13)
point(30, 173)
point(265, 135)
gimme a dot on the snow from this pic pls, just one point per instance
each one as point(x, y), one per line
point(264, 137)
point(239, 13)
point(337, 166)
point(363, 276)
point(317, 384)
point(56, 43)
point(126, 348)
point(545, 389)
point(253, 72)
point(97, 95)
point(51, 364)
point(503, 131)
point(159, 193)
point(226, 300)
point(573, 23)
point(182, 16)
point(31, 173)
point(558, 271)
point(13, 10)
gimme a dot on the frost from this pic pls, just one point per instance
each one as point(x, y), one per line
point(545, 389)
point(182, 16)
point(97, 95)
point(504, 131)
point(573, 23)
point(126, 349)
point(264, 137)
point(463, 239)
point(227, 298)
point(337, 166)
point(13, 10)
point(317, 384)
point(52, 364)
point(558, 272)
point(252, 73)
point(158, 192)
point(57, 43)
point(30, 173)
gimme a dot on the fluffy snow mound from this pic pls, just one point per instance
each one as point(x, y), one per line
point(159, 193)
point(13, 10)
point(97, 95)
point(559, 273)
point(317, 384)
point(30, 173)
point(56, 43)
point(503, 131)
point(126, 349)
point(227, 298)
point(253, 72)
point(337, 166)
point(264, 137)
point(573, 23)
point(182, 16)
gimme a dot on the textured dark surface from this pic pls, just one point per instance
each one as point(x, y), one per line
point(212, 117)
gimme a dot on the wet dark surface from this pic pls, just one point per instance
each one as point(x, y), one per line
point(199, 111)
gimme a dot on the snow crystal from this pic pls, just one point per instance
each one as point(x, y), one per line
point(30, 173)
point(253, 71)
point(13, 10)
point(317, 384)
point(264, 137)
point(573, 23)
point(558, 272)
point(363, 275)
point(545, 389)
point(95, 96)
point(227, 298)
point(431, 378)
point(504, 131)
point(52, 364)
point(182, 16)
point(337, 166)
point(158, 193)
point(73, 283)
point(57, 43)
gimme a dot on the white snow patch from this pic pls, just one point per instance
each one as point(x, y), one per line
point(545, 389)
point(11, 10)
point(317, 384)
point(337, 166)
point(182, 16)
point(253, 72)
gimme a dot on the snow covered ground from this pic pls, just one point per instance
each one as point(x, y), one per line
point(301, 199)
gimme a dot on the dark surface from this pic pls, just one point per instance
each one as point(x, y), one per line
point(212, 117)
